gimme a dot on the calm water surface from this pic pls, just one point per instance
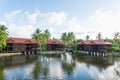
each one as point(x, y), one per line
point(60, 67)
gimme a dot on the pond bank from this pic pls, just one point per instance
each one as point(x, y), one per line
point(9, 54)
point(52, 52)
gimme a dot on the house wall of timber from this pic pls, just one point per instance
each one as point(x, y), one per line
point(97, 46)
point(20, 45)
point(53, 45)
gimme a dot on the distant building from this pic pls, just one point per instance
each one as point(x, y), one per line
point(100, 46)
point(21, 45)
point(53, 45)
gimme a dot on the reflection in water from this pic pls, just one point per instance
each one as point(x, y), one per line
point(117, 69)
point(44, 66)
point(17, 67)
point(100, 68)
point(1, 71)
point(37, 70)
point(68, 64)
point(64, 67)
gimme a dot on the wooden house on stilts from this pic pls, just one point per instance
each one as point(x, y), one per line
point(22, 45)
point(53, 45)
point(99, 47)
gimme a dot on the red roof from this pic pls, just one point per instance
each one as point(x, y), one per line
point(54, 42)
point(21, 41)
point(95, 42)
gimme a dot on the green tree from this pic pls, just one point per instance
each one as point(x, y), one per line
point(64, 38)
point(115, 43)
point(99, 36)
point(3, 28)
point(116, 35)
point(42, 37)
point(71, 38)
point(68, 38)
point(37, 36)
point(47, 34)
point(3, 36)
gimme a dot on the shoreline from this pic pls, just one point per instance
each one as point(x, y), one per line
point(51, 52)
point(9, 54)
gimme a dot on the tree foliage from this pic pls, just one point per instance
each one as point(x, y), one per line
point(68, 38)
point(116, 35)
point(41, 37)
point(3, 36)
point(115, 42)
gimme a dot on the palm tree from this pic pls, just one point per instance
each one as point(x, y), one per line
point(47, 34)
point(3, 27)
point(99, 36)
point(71, 37)
point(64, 38)
point(41, 37)
point(87, 37)
point(68, 39)
point(37, 36)
point(116, 35)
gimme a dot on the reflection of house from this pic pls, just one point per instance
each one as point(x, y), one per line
point(99, 62)
point(53, 45)
point(100, 46)
point(20, 45)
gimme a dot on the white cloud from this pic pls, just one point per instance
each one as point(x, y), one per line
point(2, 22)
point(23, 23)
point(33, 16)
point(24, 31)
point(11, 15)
point(74, 25)
point(55, 18)
point(106, 22)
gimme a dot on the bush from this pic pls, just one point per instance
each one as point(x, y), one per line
point(116, 49)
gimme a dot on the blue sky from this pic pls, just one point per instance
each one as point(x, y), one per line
point(83, 17)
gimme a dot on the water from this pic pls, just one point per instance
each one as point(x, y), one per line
point(60, 67)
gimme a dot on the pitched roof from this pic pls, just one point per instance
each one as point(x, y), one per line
point(103, 42)
point(21, 41)
point(54, 42)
